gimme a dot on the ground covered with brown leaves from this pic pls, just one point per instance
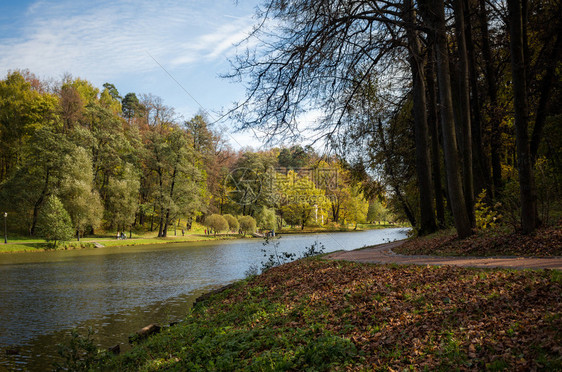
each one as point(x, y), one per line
point(332, 315)
point(545, 242)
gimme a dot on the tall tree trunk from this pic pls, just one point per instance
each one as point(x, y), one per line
point(492, 89)
point(435, 14)
point(167, 219)
point(526, 181)
point(166, 223)
point(465, 122)
point(480, 162)
point(39, 203)
point(423, 165)
point(159, 171)
point(161, 224)
point(545, 89)
point(432, 120)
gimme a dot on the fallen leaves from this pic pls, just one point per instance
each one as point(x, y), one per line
point(423, 317)
point(545, 242)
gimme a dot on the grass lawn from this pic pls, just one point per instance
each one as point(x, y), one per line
point(22, 244)
point(318, 315)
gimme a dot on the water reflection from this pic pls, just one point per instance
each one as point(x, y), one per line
point(119, 290)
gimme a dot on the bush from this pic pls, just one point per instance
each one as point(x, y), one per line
point(80, 353)
point(216, 223)
point(233, 224)
point(247, 224)
point(486, 216)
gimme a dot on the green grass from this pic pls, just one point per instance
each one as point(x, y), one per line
point(323, 315)
point(21, 244)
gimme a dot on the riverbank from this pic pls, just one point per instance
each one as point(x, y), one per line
point(23, 244)
point(34, 245)
point(318, 314)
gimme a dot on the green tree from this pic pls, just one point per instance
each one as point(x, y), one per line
point(23, 111)
point(112, 90)
point(80, 199)
point(179, 186)
point(266, 218)
point(233, 224)
point(251, 181)
point(247, 224)
point(299, 198)
point(131, 106)
point(110, 98)
point(54, 222)
point(123, 197)
point(216, 223)
point(355, 208)
point(295, 157)
point(376, 211)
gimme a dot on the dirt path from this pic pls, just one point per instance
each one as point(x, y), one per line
point(383, 254)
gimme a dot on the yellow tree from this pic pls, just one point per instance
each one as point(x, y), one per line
point(355, 207)
point(299, 198)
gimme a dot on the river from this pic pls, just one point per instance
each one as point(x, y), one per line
point(118, 290)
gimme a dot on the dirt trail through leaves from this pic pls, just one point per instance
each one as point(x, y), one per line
point(383, 254)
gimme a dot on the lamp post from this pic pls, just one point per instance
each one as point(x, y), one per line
point(5, 228)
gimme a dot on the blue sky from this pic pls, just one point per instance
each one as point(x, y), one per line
point(124, 41)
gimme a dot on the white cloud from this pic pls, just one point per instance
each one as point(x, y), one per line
point(217, 43)
point(98, 40)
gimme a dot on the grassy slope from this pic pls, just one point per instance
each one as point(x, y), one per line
point(320, 315)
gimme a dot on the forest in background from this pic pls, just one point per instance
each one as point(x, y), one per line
point(75, 157)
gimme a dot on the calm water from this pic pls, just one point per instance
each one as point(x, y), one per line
point(119, 290)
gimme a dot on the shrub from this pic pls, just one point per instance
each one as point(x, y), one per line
point(233, 224)
point(486, 216)
point(247, 224)
point(216, 223)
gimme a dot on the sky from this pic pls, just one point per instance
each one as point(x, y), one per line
point(174, 49)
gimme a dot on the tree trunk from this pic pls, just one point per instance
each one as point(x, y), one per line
point(481, 169)
point(526, 181)
point(432, 120)
point(492, 89)
point(161, 225)
point(435, 14)
point(39, 203)
point(465, 122)
point(423, 165)
point(545, 89)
